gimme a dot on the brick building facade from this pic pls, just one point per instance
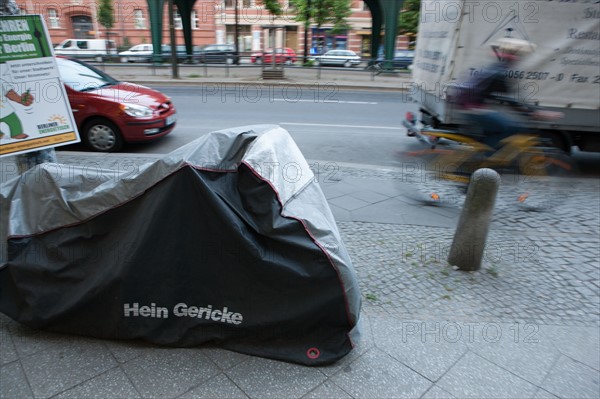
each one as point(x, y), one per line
point(213, 21)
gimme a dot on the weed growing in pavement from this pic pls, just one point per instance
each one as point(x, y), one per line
point(493, 271)
point(371, 297)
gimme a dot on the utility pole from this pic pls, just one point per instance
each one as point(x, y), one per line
point(236, 34)
point(306, 28)
point(174, 67)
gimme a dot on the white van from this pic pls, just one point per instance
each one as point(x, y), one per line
point(86, 48)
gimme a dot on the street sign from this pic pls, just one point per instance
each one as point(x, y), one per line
point(34, 109)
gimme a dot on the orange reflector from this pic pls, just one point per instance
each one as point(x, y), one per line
point(435, 197)
point(523, 197)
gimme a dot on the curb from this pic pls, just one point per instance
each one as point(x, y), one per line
point(273, 83)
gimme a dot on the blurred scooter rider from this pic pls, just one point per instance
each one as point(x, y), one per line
point(477, 96)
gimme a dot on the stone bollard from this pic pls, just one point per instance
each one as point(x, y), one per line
point(469, 240)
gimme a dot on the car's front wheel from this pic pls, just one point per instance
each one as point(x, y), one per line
point(100, 134)
point(348, 64)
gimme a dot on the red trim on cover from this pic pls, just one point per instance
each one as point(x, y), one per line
point(314, 241)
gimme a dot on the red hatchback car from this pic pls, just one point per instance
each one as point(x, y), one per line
point(110, 113)
point(282, 56)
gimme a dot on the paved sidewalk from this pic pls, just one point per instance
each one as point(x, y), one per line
point(527, 325)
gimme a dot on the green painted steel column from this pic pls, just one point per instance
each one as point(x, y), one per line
point(156, 9)
point(391, 10)
point(185, 8)
point(376, 24)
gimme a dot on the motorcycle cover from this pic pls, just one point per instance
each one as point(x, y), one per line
point(227, 240)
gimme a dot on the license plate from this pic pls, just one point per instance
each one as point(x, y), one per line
point(171, 119)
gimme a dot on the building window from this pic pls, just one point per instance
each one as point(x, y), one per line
point(53, 18)
point(195, 23)
point(228, 3)
point(246, 3)
point(244, 36)
point(177, 20)
point(139, 20)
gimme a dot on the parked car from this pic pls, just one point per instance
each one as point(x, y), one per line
point(282, 56)
point(109, 113)
point(217, 53)
point(137, 53)
point(145, 52)
point(402, 58)
point(86, 48)
point(346, 58)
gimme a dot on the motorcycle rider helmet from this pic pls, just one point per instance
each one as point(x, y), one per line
point(512, 48)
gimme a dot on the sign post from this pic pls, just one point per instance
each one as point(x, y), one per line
point(34, 109)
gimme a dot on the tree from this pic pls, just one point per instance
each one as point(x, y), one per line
point(273, 7)
point(322, 12)
point(106, 15)
point(408, 21)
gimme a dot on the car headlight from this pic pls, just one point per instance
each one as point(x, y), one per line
point(136, 110)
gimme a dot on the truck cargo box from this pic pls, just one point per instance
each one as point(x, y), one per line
point(563, 74)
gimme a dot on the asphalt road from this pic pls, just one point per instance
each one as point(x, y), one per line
point(327, 123)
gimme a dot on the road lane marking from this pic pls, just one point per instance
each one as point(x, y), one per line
point(343, 126)
point(325, 101)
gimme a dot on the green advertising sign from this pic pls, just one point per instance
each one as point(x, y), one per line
point(35, 113)
point(23, 37)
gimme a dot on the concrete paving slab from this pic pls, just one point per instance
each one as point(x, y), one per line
point(386, 211)
point(581, 344)
point(437, 393)
point(348, 202)
point(427, 216)
point(429, 351)
point(169, 372)
point(28, 341)
point(225, 359)
point(124, 351)
point(327, 390)
point(386, 187)
point(263, 378)
point(369, 196)
point(13, 382)
point(377, 375)
point(217, 387)
point(571, 379)
point(475, 377)
point(8, 353)
point(525, 349)
point(543, 394)
point(113, 384)
point(54, 370)
point(340, 215)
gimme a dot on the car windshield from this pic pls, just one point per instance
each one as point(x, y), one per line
point(82, 77)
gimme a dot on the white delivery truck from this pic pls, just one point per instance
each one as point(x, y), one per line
point(563, 74)
point(86, 48)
